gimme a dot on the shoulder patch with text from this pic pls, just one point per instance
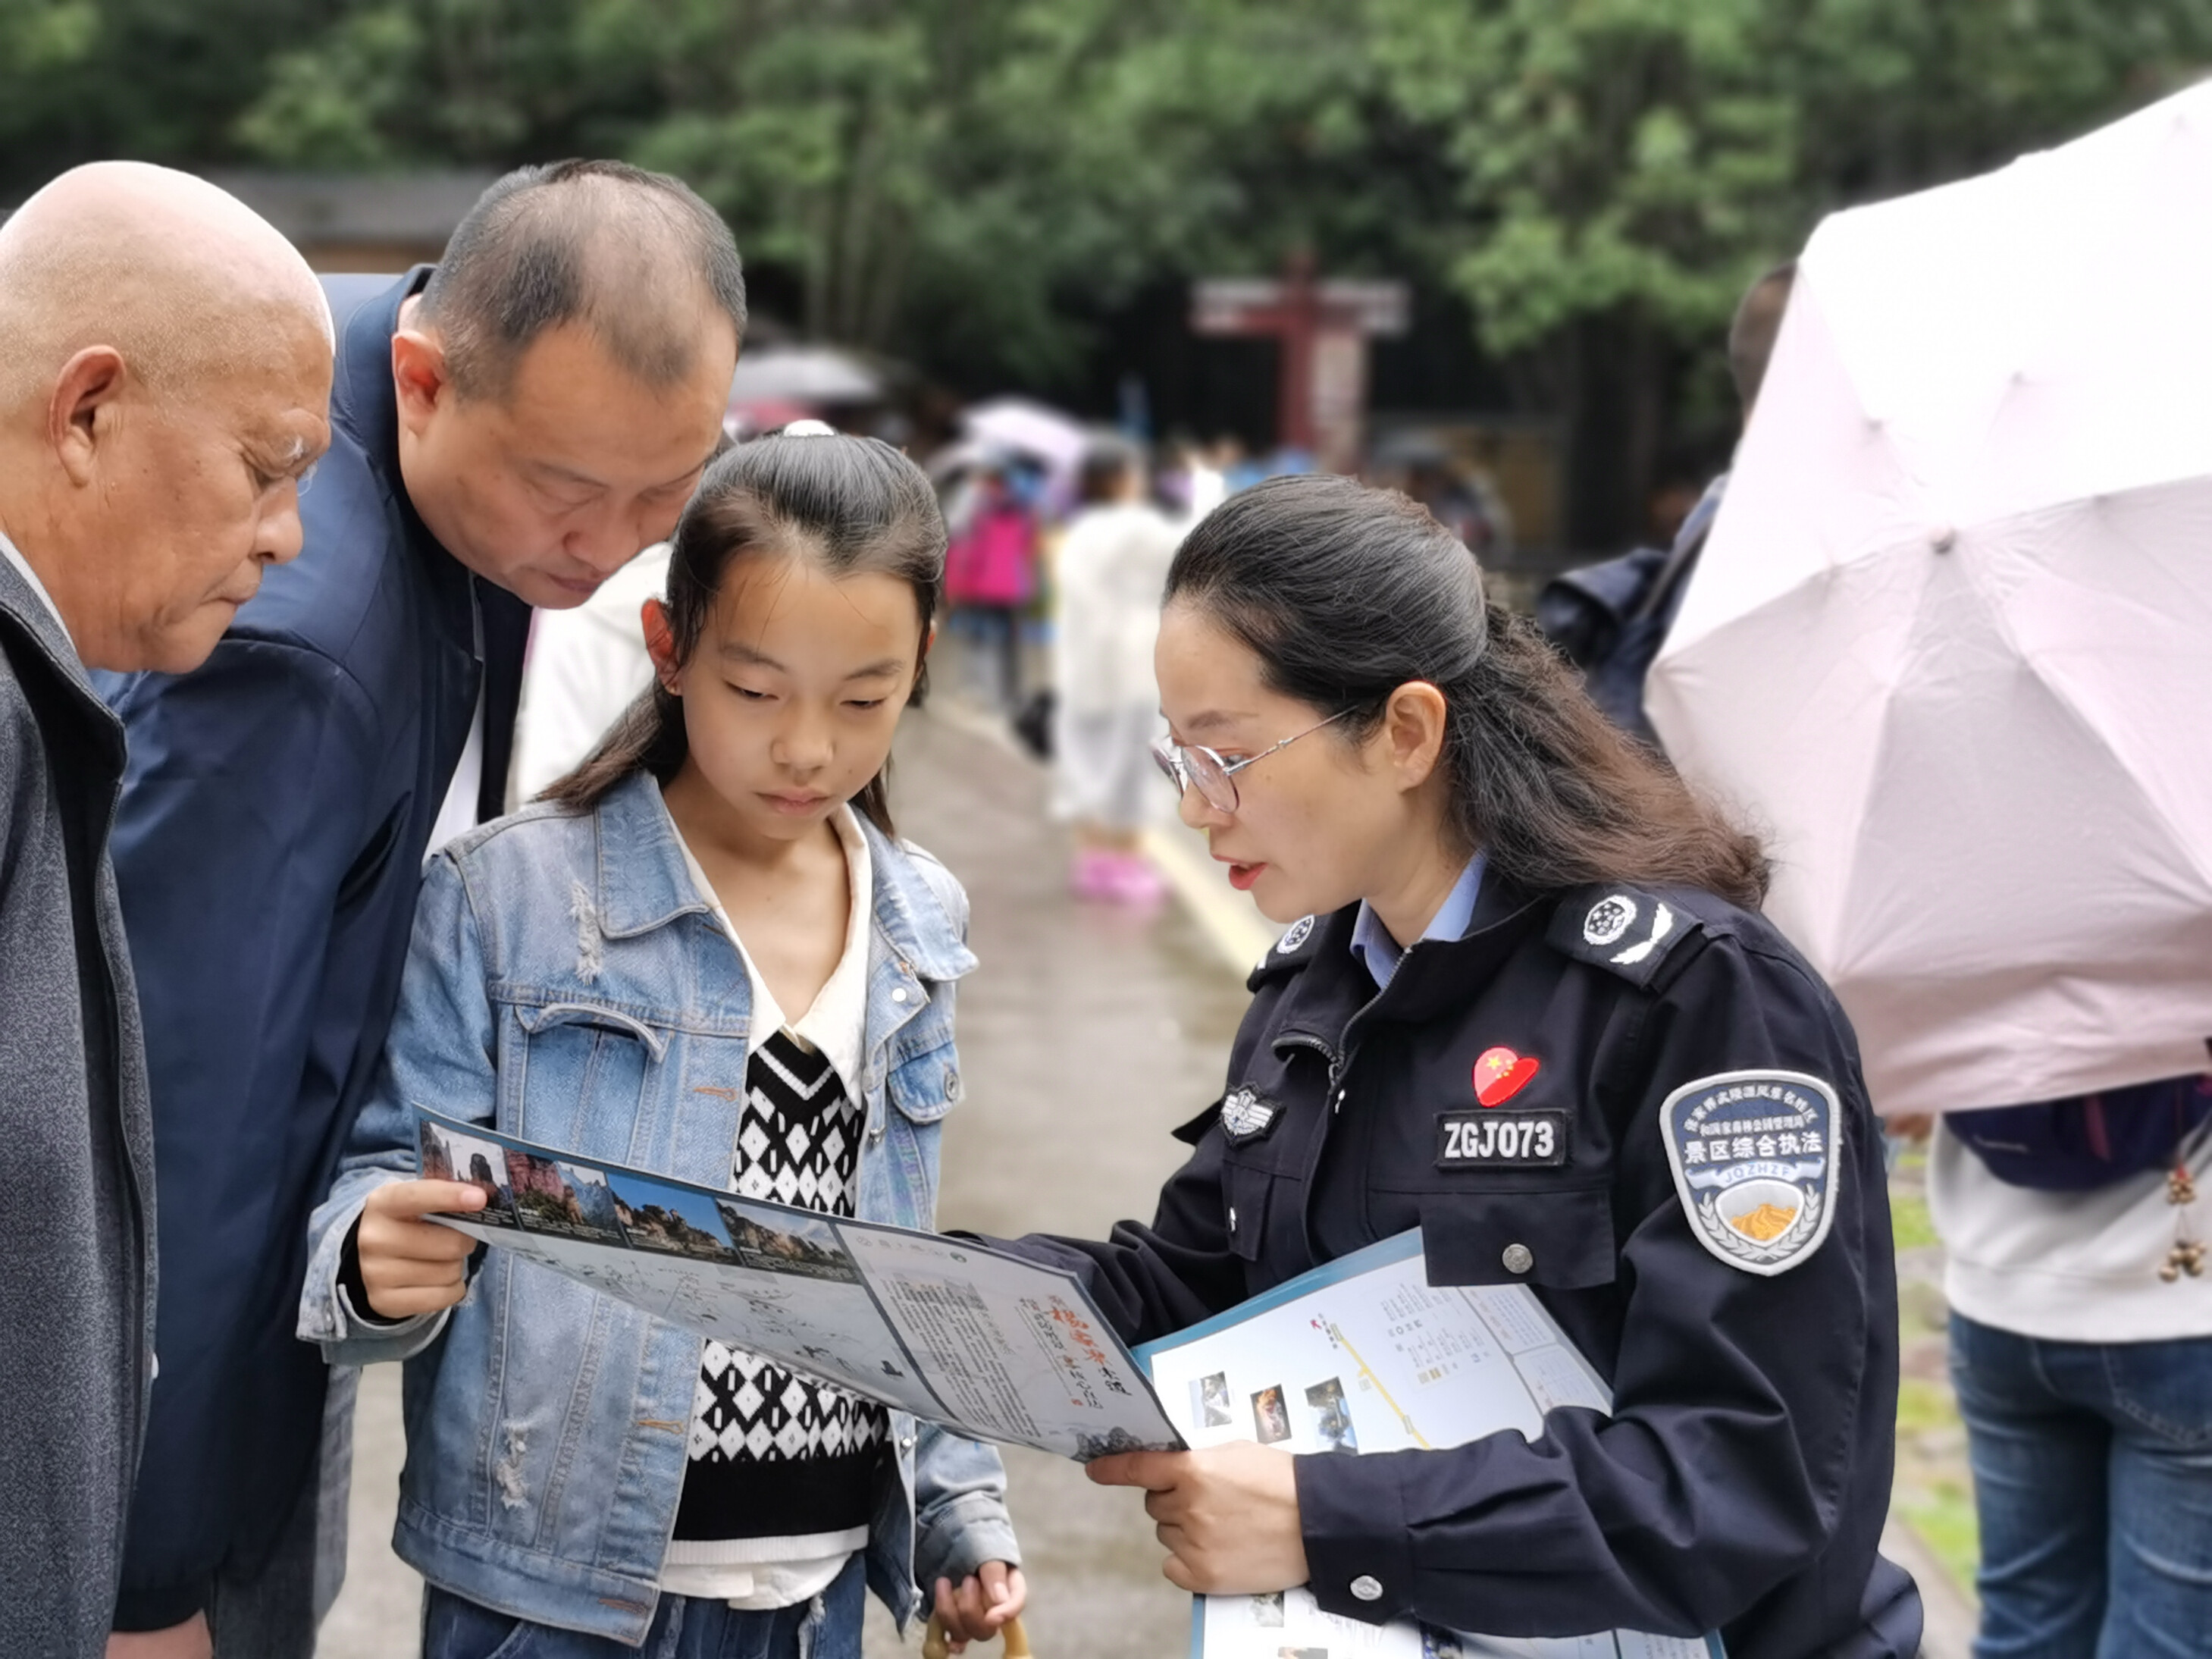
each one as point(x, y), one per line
point(1756, 1164)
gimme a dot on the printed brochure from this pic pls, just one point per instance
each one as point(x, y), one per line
point(992, 1346)
point(1365, 1355)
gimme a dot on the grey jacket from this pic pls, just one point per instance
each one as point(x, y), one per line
point(76, 1155)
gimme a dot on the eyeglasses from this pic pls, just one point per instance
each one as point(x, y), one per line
point(1190, 764)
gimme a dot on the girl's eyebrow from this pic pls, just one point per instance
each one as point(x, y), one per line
point(739, 651)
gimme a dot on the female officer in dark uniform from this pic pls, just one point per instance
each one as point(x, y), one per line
point(1526, 1003)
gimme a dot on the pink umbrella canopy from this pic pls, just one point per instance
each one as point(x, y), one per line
point(1950, 642)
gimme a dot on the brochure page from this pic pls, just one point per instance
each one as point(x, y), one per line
point(1365, 1355)
point(995, 1348)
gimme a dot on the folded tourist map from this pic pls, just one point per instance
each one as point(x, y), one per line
point(1362, 1355)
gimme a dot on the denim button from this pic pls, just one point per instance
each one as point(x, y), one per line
point(951, 1086)
point(898, 993)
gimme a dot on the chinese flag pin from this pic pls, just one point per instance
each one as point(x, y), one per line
point(1500, 1074)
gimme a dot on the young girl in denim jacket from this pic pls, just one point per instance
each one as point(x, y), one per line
point(704, 955)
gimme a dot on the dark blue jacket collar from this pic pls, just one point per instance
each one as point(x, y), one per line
point(362, 401)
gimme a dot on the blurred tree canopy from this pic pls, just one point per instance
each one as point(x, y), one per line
point(970, 183)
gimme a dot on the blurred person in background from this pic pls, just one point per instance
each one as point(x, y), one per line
point(1611, 617)
point(509, 428)
point(165, 379)
point(1435, 478)
point(2081, 1354)
point(1112, 569)
point(990, 576)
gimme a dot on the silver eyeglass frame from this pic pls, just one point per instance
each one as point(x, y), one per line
point(1186, 764)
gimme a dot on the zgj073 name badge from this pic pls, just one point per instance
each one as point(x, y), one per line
point(1758, 1163)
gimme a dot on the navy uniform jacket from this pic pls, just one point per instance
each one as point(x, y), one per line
point(1742, 1481)
point(268, 846)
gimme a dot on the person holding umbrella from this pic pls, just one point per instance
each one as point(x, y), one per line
point(1504, 910)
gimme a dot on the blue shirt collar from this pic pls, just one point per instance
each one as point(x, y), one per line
point(1372, 944)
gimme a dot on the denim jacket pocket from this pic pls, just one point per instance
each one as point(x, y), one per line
point(577, 1073)
point(927, 1086)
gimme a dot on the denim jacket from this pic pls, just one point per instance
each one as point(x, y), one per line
point(567, 984)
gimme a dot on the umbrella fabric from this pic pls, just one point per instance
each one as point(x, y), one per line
point(1032, 428)
point(1950, 641)
point(815, 376)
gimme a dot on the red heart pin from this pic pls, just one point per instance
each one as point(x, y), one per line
point(1500, 1074)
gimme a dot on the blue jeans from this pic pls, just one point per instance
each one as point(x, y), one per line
point(827, 1627)
point(2092, 1477)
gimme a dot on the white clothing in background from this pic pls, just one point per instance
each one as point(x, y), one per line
point(2066, 1266)
point(1111, 570)
point(456, 813)
point(586, 666)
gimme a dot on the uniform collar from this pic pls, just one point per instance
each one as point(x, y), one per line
point(1429, 980)
point(1372, 944)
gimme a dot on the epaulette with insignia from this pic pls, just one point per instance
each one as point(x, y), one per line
point(1293, 951)
point(1623, 930)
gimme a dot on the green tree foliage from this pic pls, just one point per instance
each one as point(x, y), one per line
point(967, 181)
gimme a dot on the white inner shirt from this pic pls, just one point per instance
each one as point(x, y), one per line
point(13, 555)
point(835, 1025)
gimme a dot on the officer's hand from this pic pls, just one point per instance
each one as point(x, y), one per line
point(409, 1266)
point(986, 1599)
point(1229, 1516)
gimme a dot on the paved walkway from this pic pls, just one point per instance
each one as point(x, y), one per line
point(1085, 1035)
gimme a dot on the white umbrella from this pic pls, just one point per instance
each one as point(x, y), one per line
point(813, 375)
point(1033, 428)
point(1951, 638)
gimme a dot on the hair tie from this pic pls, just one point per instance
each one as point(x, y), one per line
point(808, 429)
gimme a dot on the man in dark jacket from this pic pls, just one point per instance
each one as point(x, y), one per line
point(1613, 616)
point(509, 429)
point(164, 379)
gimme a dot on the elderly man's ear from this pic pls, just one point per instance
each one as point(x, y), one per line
point(84, 409)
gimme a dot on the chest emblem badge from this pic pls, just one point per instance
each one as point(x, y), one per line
point(1246, 1113)
point(1500, 1074)
point(1757, 1164)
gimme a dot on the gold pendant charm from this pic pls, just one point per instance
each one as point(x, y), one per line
point(2187, 1255)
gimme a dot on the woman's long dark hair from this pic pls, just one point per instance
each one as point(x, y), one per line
point(1345, 593)
point(851, 505)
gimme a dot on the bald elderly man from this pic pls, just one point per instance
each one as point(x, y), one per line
point(165, 375)
point(510, 427)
